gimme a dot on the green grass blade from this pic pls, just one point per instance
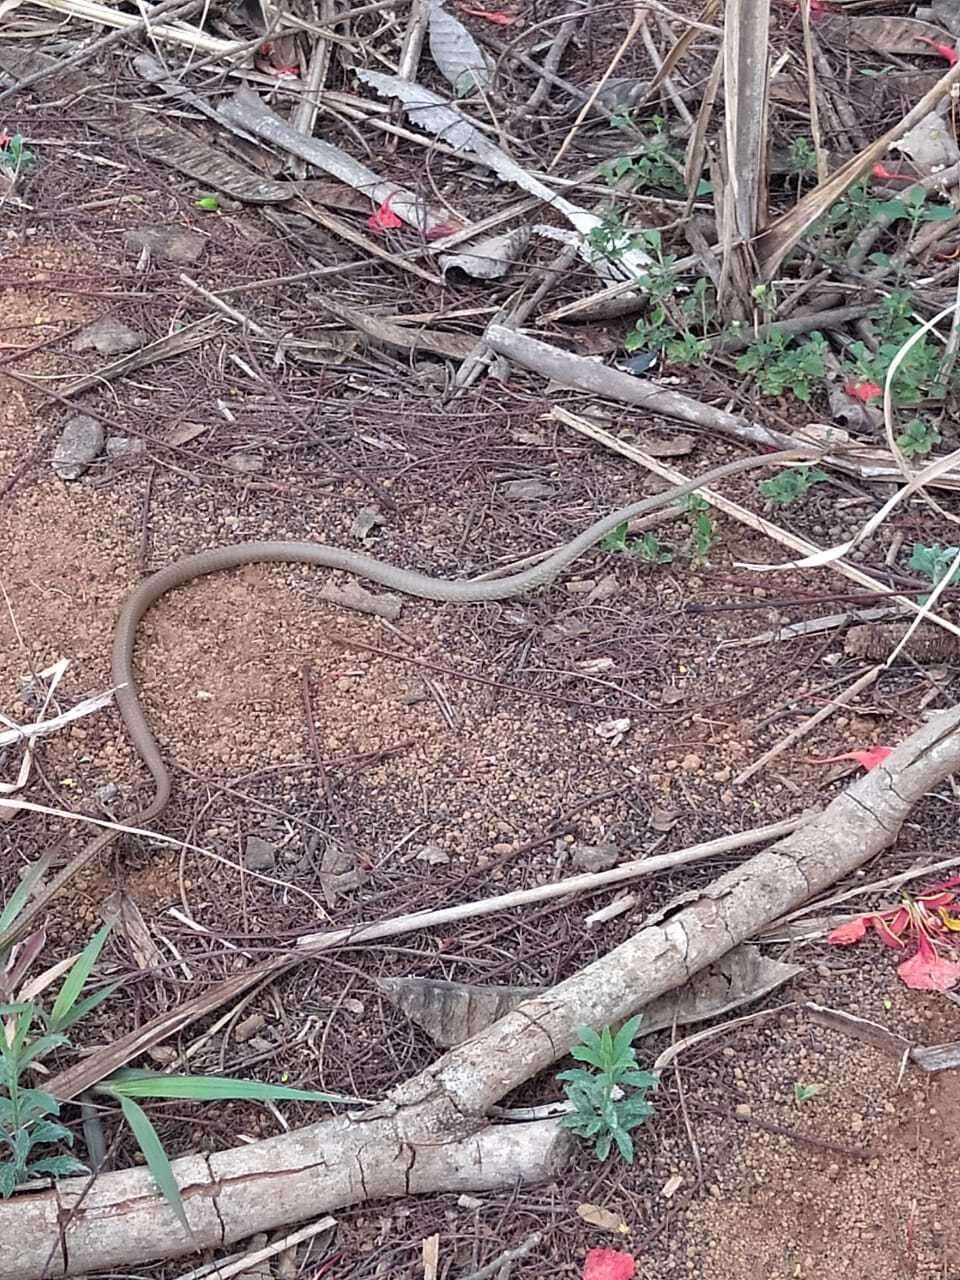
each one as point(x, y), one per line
point(21, 895)
point(153, 1084)
point(80, 1011)
point(157, 1160)
point(78, 975)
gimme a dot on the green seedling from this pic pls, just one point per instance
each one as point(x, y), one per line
point(918, 438)
point(804, 1092)
point(934, 562)
point(14, 156)
point(779, 366)
point(646, 547)
point(788, 486)
point(604, 1112)
point(702, 526)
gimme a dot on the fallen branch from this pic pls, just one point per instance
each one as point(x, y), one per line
point(431, 1132)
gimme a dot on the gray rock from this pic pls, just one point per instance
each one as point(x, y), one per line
point(527, 489)
point(259, 854)
point(172, 244)
point(595, 857)
point(109, 336)
point(78, 446)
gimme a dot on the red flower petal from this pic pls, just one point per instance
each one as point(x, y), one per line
point(608, 1264)
point(929, 971)
point(852, 931)
point(489, 15)
point(890, 926)
point(384, 219)
point(945, 50)
point(864, 391)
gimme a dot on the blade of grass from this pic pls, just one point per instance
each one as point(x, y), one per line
point(74, 981)
point(157, 1159)
point(154, 1084)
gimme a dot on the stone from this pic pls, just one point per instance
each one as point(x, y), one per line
point(259, 854)
point(80, 443)
point(109, 336)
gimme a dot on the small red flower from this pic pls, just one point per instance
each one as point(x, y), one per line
point(5, 139)
point(384, 219)
point(927, 920)
point(609, 1264)
point(944, 50)
point(864, 391)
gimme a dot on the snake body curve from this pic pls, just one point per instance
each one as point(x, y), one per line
point(405, 581)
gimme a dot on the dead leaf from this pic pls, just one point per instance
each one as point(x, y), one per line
point(604, 1219)
point(903, 36)
point(457, 55)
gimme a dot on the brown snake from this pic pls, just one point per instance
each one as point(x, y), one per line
point(317, 553)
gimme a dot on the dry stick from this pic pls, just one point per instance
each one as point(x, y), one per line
point(635, 25)
point(783, 536)
point(815, 131)
point(801, 731)
point(552, 61)
point(98, 1065)
point(431, 1133)
point(174, 9)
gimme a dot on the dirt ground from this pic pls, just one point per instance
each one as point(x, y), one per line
point(432, 752)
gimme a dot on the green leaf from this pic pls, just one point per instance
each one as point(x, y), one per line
point(77, 976)
point(892, 209)
point(157, 1160)
point(640, 1079)
point(21, 895)
point(624, 1144)
point(87, 1004)
point(8, 1181)
point(938, 213)
point(626, 1036)
point(50, 1131)
point(604, 1142)
point(37, 1048)
point(208, 203)
point(56, 1167)
point(154, 1084)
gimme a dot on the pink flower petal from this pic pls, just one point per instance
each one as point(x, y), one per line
point(609, 1264)
point(384, 219)
point(928, 970)
point(852, 931)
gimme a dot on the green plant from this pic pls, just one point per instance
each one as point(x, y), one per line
point(934, 562)
point(669, 329)
point(912, 206)
point(13, 154)
point(646, 547)
point(782, 366)
point(918, 374)
point(918, 438)
point(30, 1124)
point(603, 1112)
point(609, 239)
point(656, 162)
point(702, 526)
point(787, 486)
point(801, 157)
point(804, 1092)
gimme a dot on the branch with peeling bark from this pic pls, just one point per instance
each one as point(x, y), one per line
point(431, 1133)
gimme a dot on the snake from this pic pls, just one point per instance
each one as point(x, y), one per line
point(407, 582)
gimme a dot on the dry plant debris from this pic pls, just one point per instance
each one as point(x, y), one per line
point(445, 283)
